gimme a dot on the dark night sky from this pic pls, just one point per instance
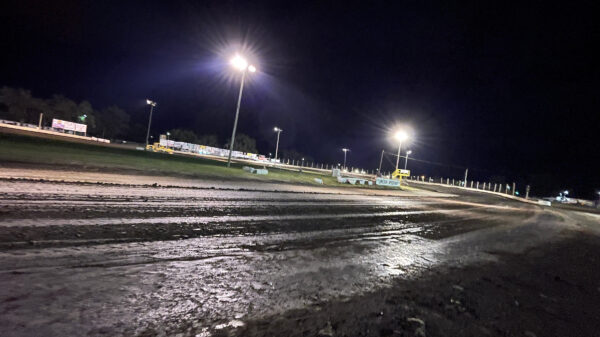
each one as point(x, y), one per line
point(506, 90)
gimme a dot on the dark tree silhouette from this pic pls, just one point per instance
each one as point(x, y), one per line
point(243, 143)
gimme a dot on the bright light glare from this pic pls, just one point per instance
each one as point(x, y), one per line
point(252, 68)
point(401, 135)
point(409, 152)
point(277, 129)
point(345, 150)
point(149, 102)
point(239, 62)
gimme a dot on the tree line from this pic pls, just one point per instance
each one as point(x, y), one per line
point(19, 105)
point(112, 122)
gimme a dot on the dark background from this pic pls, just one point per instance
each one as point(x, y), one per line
point(509, 90)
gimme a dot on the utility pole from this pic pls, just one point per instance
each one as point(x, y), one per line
point(466, 175)
point(40, 122)
point(380, 162)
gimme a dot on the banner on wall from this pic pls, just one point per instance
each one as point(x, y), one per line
point(69, 126)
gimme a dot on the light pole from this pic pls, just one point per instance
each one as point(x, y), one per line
point(380, 162)
point(152, 105)
point(406, 162)
point(345, 151)
point(168, 134)
point(241, 64)
point(278, 130)
point(400, 136)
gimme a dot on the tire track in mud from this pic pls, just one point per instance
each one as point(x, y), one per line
point(79, 214)
point(213, 259)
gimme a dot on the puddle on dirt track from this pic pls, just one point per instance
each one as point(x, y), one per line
point(202, 271)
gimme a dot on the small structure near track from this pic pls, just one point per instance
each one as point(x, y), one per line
point(253, 170)
point(350, 180)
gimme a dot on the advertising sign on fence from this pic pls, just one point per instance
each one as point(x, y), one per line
point(69, 126)
point(387, 182)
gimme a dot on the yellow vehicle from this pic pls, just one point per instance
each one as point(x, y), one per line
point(156, 147)
point(400, 173)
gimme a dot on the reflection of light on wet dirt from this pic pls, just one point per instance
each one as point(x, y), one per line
point(213, 278)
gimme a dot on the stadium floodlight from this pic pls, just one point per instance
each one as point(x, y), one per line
point(401, 136)
point(241, 64)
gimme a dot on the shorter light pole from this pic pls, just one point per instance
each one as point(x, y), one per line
point(345, 151)
point(278, 130)
point(380, 162)
point(406, 161)
point(152, 105)
point(168, 134)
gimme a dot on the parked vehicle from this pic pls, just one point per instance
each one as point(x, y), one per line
point(156, 147)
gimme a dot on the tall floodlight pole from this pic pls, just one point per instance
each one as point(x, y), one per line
point(278, 130)
point(345, 151)
point(241, 64)
point(152, 105)
point(401, 136)
point(406, 161)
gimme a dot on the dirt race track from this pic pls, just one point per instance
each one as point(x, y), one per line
point(90, 254)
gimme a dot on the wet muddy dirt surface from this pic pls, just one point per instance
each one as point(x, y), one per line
point(127, 255)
